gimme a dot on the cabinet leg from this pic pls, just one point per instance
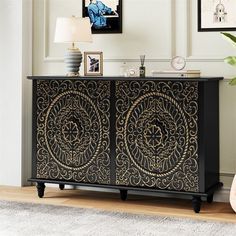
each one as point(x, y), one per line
point(40, 188)
point(196, 203)
point(210, 198)
point(61, 186)
point(123, 194)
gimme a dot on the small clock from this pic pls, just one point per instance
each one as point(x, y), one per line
point(178, 63)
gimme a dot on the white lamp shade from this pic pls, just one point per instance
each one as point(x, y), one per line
point(73, 29)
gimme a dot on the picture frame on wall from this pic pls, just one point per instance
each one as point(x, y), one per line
point(216, 15)
point(105, 15)
point(93, 63)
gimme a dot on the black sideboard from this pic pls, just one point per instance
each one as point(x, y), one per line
point(149, 134)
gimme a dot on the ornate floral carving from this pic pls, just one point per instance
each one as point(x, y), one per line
point(157, 134)
point(73, 130)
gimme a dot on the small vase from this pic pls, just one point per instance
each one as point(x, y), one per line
point(142, 71)
point(232, 198)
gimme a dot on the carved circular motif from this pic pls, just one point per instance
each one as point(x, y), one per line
point(73, 130)
point(153, 135)
point(70, 131)
point(156, 134)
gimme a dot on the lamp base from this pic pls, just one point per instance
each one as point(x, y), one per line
point(72, 74)
point(73, 60)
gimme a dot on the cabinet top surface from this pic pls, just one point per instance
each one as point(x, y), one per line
point(200, 79)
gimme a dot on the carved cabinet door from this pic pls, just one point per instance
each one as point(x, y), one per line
point(157, 134)
point(71, 126)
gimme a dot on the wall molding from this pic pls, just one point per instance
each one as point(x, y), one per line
point(190, 56)
point(45, 32)
point(50, 59)
point(119, 60)
point(204, 59)
point(189, 30)
point(173, 29)
point(162, 59)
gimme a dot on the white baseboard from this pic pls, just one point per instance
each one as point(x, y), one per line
point(221, 195)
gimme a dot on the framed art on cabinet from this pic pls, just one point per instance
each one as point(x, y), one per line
point(216, 15)
point(105, 15)
point(93, 63)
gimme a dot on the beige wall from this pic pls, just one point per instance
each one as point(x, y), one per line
point(160, 29)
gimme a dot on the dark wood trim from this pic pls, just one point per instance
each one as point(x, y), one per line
point(115, 78)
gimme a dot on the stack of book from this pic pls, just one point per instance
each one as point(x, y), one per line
point(177, 73)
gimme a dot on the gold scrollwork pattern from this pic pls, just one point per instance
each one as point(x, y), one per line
point(157, 130)
point(73, 130)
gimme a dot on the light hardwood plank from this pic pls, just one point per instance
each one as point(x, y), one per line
point(148, 205)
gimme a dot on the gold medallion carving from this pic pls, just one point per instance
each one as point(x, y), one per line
point(157, 134)
point(73, 130)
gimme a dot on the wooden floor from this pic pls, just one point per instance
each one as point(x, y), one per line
point(111, 202)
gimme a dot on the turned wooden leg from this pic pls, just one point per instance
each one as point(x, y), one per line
point(123, 194)
point(210, 198)
point(40, 188)
point(196, 203)
point(61, 186)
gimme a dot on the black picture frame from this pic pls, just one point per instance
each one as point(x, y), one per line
point(113, 19)
point(218, 15)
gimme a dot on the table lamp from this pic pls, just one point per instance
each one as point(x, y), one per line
point(72, 30)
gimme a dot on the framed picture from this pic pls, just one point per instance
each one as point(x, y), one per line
point(93, 63)
point(105, 15)
point(216, 15)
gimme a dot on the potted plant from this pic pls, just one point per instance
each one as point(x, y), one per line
point(232, 61)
